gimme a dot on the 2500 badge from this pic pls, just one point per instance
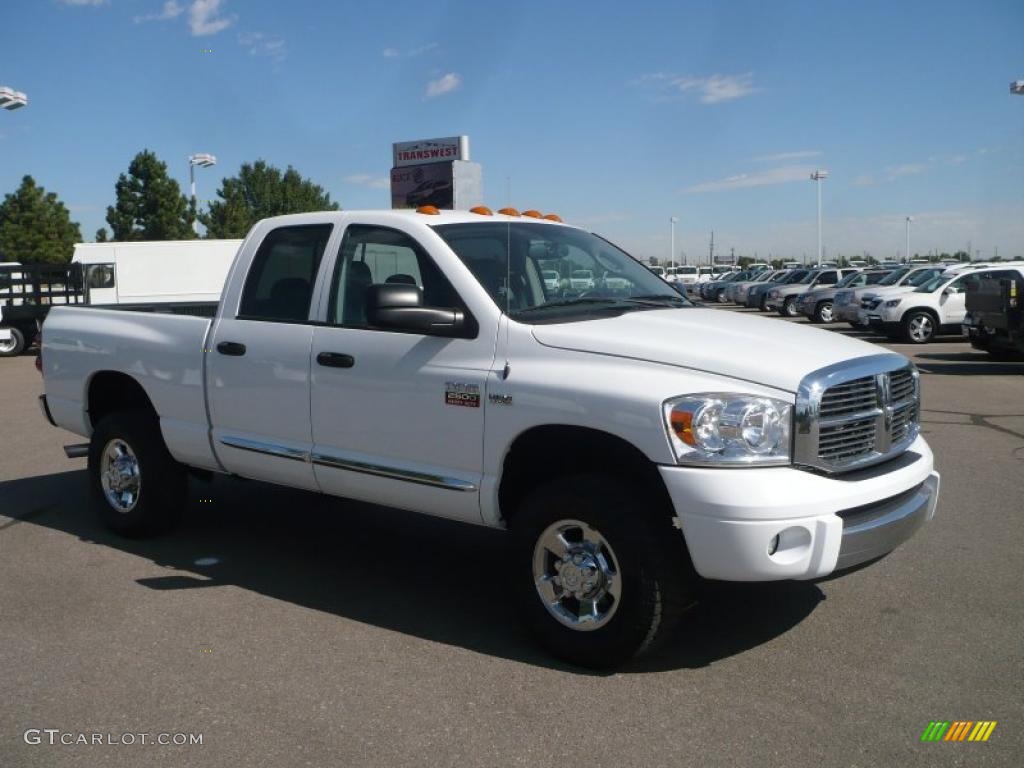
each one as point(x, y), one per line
point(456, 393)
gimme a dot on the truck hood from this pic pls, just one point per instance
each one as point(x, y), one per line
point(764, 351)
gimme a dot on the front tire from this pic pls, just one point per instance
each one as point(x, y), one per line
point(789, 307)
point(919, 327)
point(15, 346)
point(823, 312)
point(600, 576)
point(138, 487)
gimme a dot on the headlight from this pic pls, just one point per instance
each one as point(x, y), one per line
point(893, 302)
point(773, 294)
point(729, 429)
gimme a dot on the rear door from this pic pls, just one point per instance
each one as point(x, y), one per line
point(258, 366)
point(398, 418)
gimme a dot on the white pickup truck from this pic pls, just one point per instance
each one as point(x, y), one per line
point(629, 441)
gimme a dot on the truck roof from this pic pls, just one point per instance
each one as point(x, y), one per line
point(432, 219)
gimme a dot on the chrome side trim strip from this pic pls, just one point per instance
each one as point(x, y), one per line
point(411, 476)
point(271, 449)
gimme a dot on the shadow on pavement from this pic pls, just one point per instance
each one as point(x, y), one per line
point(966, 364)
point(426, 577)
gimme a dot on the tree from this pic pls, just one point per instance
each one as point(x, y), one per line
point(35, 227)
point(260, 190)
point(101, 235)
point(149, 205)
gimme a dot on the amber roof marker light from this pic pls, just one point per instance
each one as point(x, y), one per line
point(482, 210)
point(508, 211)
point(533, 214)
point(429, 210)
point(553, 217)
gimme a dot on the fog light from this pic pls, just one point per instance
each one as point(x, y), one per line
point(773, 545)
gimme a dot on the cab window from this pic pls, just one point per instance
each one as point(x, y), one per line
point(100, 276)
point(373, 255)
point(279, 286)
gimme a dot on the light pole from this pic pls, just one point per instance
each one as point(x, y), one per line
point(818, 177)
point(672, 244)
point(203, 160)
point(909, 219)
point(11, 99)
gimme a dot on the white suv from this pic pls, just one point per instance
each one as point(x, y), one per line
point(917, 316)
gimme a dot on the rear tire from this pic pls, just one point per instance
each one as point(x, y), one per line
point(15, 346)
point(138, 488)
point(629, 566)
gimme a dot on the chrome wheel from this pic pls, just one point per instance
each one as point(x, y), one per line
point(920, 328)
point(120, 476)
point(7, 346)
point(577, 575)
point(826, 313)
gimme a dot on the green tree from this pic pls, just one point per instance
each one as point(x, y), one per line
point(258, 191)
point(35, 226)
point(101, 235)
point(150, 205)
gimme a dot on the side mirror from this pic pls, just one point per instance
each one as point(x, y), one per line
point(399, 307)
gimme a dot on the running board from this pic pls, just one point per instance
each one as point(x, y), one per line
point(77, 451)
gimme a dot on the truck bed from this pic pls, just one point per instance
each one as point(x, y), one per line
point(162, 352)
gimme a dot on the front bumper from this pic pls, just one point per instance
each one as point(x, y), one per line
point(729, 517)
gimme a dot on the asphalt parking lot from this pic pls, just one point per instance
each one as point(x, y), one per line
point(290, 629)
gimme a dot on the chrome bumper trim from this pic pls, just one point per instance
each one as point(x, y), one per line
point(876, 529)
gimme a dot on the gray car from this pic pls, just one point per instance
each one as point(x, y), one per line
point(817, 305)
point(783, 298)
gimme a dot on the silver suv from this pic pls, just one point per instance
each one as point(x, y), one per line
point(783, 298)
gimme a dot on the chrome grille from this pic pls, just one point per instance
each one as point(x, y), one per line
point(855, 414)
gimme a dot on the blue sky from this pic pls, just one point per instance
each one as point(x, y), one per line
point(615, 115)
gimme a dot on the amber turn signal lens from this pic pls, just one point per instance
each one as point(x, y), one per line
point(483, 210)
point(430, 210)
point(682, 425)
point(508, 211)
point(554, 217)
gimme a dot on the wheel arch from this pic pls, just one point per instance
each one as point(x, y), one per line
point(545, 452)
point(110, 391)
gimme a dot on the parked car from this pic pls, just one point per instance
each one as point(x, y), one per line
point(918, 315)
point(995, 313)
point(817, 305)
point(581, 280)
point(866, 300)
point(736, 292)
point(757, 296)
point(551, 279)
point(782, 298)
point(624, 462)
point(715, 290)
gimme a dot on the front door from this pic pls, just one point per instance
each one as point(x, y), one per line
point(398, 418)
point(258, 364)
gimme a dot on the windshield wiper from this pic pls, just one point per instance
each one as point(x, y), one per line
point(565, 303)
point(656, 300)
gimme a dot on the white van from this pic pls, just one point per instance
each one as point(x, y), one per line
point(155, 272)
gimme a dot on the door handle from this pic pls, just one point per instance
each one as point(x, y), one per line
point(335, 360)
point(232, 348)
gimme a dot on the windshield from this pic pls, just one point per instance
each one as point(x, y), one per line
point(922, 277)
point(933, 284)
point(796, 276)
point(594, 277)
point(808, 278)
point(893, 277)
point(853, 277)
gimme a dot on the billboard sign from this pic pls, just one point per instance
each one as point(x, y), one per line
point(424, 151)
point(413, 186)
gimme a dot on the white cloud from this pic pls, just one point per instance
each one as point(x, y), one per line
point(83, 2)
point(170, 10)
point(444, 84)
point(712, 89)
point(783, 157)
point(782, 175)
point(394, 53)
point(366, 180)
point(204, 18)
point(260, 44)
point(894, 172)
point(864, 180)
